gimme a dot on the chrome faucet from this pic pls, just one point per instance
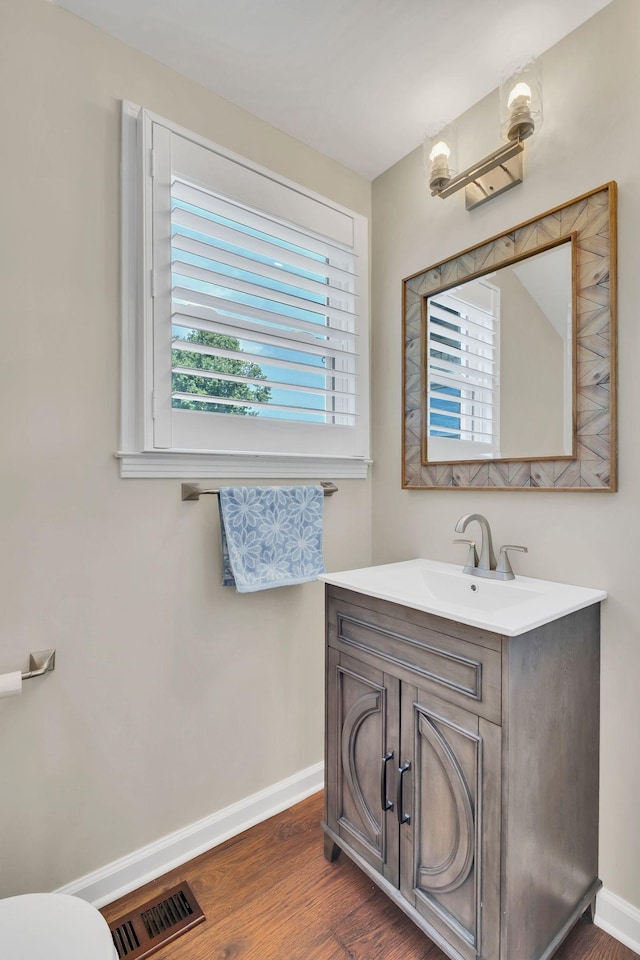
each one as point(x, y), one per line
point(487, 561)
point(486, 566)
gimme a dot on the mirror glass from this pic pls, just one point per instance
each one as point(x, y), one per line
point(499, 363)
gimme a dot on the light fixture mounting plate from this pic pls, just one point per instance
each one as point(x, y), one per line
point(509, 173)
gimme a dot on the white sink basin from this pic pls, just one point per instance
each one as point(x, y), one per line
point(509, 607)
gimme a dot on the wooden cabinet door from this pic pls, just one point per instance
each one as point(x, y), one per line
point(450, 834)
point(362, 747)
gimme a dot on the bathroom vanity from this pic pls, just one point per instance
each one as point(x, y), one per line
point(462, 761)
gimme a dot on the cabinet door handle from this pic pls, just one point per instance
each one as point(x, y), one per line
point(402, 817)
point(384, 802)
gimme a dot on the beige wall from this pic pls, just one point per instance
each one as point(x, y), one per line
point(172, 697)
point(588, 138)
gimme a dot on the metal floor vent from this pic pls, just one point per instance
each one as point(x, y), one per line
point(156, 923)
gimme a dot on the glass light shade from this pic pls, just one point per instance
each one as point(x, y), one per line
point(521, 99)
point(440, 155)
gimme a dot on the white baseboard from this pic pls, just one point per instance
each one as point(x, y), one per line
point(619, 918)
point(130, 872)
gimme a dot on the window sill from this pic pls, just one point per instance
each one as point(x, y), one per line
point(177, 465)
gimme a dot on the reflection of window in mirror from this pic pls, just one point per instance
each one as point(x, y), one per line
point(463, 363)
point(499, 363)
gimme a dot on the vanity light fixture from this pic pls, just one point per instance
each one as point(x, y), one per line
point(520, 115)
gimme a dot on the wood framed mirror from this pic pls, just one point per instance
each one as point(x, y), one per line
point(510, 357)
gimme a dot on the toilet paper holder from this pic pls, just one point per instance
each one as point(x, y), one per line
point(40, 663)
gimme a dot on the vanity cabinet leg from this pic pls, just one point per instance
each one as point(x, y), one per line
point(331, 849)
point(590, 913)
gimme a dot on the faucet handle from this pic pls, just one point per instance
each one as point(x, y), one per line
point(503, 570)
point(472, 557)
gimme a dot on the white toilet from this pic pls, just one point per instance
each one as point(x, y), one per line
point(53, 926)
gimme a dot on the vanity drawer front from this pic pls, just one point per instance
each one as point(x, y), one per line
point(452, 668)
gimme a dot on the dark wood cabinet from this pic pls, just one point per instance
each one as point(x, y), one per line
point(462, 771)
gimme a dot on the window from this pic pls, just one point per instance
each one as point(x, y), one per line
point(462, 373)
point(245, 346)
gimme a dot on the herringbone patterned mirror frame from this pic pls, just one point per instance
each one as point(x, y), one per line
point(591, 222)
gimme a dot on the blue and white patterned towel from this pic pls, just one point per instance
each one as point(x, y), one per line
point(271, 536)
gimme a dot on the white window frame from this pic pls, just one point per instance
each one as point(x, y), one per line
point(139, 454)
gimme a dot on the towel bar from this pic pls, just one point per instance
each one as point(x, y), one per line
point(193, 491)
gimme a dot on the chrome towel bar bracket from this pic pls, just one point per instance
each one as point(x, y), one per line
point(193, 491)
point(40, 663)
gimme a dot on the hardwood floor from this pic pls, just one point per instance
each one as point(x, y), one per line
point(269, 894)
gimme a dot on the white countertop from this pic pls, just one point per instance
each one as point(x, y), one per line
point(508, 607)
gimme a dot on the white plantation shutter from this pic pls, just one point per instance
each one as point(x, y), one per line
point(258, 300)
point(463, 344)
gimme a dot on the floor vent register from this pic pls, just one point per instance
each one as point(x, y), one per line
point(155, 923)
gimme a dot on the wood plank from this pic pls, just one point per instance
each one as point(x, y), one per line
point(379, 931)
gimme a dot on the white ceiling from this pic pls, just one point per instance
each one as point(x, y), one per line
point(357, 79)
